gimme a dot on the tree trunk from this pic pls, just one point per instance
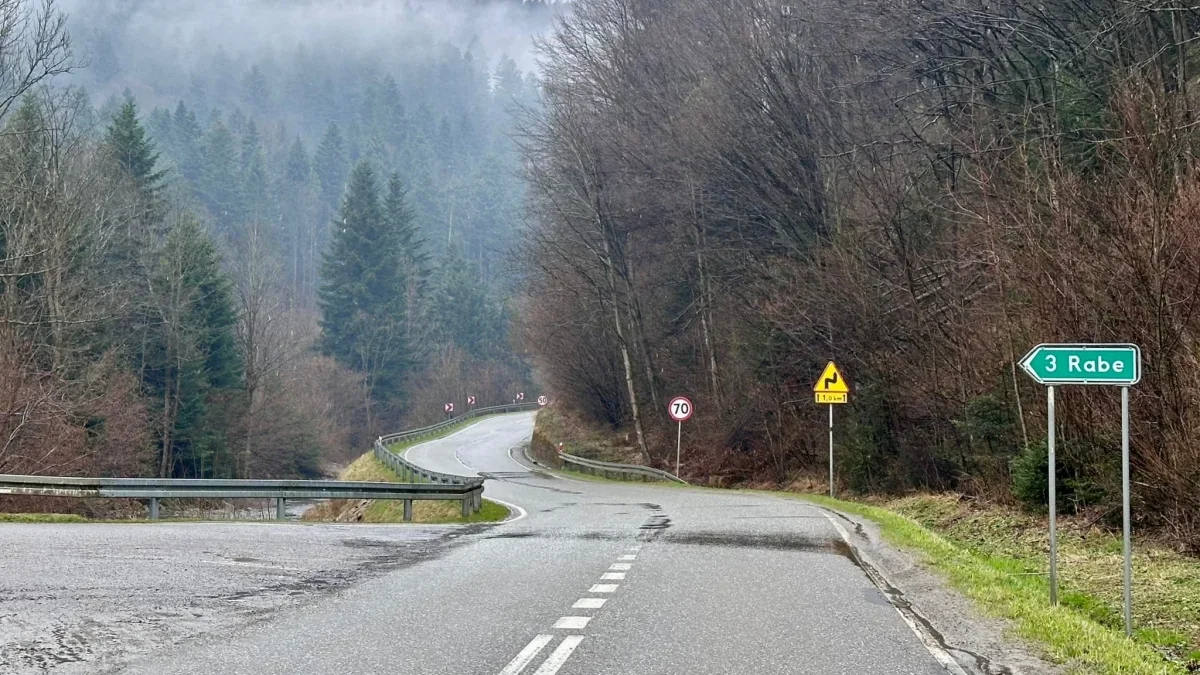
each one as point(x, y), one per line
point(624, 346)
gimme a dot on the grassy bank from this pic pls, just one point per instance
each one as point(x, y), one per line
point(367, 468)
point(997, 558)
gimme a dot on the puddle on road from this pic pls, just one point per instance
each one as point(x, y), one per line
point(773, 542)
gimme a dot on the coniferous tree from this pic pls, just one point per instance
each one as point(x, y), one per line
point(331, 163)
point(255, 186)
point(463, 310)
point(413, 264)
point(298, 208)
point(190, 357)
point(135, 154)
point(186, 133)
point(361, 296)
point(220, 186)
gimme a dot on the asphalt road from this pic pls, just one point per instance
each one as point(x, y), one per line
point(590, 578)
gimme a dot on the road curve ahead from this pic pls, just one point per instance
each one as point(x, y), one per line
point(589, 578)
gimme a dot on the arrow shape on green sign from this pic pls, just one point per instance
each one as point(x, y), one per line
point(1111, 364)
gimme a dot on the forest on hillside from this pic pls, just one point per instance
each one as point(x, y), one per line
point(727, 195)
point(242, 239)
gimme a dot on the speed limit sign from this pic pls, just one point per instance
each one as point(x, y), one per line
point(680, 409)
point(542, 400)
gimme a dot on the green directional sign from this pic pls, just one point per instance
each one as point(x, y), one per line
point(1114, 364)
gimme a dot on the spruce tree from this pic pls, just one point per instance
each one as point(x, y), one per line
point(255, 186)
point(220, 186)
point(297, 169)
point(187, 134)
point(361, 295)
point(330, 164)
point(402, 222)
point(136, 155)
point(190, 355)
point(463, 310)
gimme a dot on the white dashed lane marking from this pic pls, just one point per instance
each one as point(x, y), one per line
point(526, 655)
point(573, 622)
point(560, 655)
point(563, 651)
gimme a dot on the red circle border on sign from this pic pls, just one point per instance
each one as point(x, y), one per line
point(691, 408)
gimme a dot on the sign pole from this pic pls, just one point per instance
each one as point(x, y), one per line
point(1053, 497)
point(678, 441)
point(1125, 505)
point(831, 451)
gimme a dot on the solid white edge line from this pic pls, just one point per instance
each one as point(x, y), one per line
point(512, 507)
point(560, 655)
point(939, 654)
point(526, 655)
point(446, 437)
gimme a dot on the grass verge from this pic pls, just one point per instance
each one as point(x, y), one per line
point(1012, 588)
point(367, 468)
point(41, 518)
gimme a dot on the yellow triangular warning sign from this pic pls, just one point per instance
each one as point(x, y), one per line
point(831, 381)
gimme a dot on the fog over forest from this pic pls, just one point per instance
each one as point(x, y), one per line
point(305, 236)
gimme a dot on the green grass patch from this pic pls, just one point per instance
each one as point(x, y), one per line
point(367, 468)
point(1079, 632)
point(42, 518)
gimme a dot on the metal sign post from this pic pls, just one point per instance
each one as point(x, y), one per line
point(1053, 497)
point(678, 445)
point(1128, 552)
point(831, 450)
point(831, 388)
point(1088, 364)
point(680, 409)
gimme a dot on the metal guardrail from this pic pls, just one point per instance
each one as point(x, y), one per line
point(424, 484)
point(413, 434)
point(611, 469)
point(155, 489)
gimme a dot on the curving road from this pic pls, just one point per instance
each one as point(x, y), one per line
point(589, 578)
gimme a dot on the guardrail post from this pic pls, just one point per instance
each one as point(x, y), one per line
point(279, 514)
point(154, 508)
point(466, 505)
point(408, 510)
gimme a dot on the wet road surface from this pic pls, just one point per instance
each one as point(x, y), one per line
point(588, 578)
